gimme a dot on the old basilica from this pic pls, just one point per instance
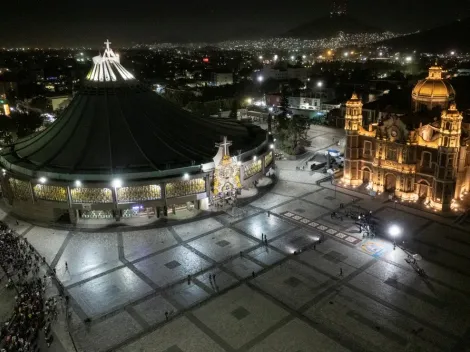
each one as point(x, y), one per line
point(428, 163)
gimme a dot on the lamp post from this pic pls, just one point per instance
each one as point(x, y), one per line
point(394, 231)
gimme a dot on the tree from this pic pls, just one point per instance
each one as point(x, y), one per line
point(234, 110)
point(292, 135)
point(27, 123)
point(7, 126)
point(270, 121)
point(295, 84)
point(282, 118)
point(270, 85)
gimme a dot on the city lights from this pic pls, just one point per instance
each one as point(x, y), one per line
point(260, 78)
point(186, 176)
point(78, 183)
point(42, 180)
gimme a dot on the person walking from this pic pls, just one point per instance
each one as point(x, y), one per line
point(340, 271)
point(253, 274)
point(66, 266)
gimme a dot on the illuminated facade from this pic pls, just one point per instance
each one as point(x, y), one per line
point(119, 148)
point(428, 164)
point(4, 106)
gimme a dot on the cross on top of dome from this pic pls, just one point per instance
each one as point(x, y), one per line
point(225, 144)
point(107, 68)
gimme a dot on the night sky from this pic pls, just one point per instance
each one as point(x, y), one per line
point(56, 23)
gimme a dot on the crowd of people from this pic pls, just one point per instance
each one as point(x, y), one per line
point(32, 312)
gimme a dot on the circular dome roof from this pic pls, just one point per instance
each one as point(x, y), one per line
point(116, 125)
point(434, 87)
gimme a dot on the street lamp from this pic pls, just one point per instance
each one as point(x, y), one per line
point(319, 84)
point(394, 231)
point(116, 183)
point(260, 79)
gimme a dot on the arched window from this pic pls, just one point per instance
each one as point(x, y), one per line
point(426, 159)
point(448, 126)
point(445, 141)
point(367, 148)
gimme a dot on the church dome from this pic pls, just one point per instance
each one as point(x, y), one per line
point(433, 91)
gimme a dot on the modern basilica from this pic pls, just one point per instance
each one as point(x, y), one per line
point(429, 163)
point(120, 149)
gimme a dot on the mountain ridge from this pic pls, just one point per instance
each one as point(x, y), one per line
point(330, 26)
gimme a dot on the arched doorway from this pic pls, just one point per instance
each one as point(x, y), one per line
point(390, 182)
point(423, 189)
point(366, 175)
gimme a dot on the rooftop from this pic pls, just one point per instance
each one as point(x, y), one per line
point(116, 125)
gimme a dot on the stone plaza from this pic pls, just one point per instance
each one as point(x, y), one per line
point(212, 283)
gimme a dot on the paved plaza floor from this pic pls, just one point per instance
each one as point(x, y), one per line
point(291, 294)
point(214, 284)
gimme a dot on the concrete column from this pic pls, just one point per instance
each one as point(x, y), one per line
point(163, 191)
point(73, 216)
point(31, 189)
point(117, 214)
point(208, 186)
point(204, 204)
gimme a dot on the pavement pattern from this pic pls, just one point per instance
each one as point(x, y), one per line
point(214, 284)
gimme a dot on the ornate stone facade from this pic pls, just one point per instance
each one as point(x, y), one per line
point(184, 188)
point(138, 193)
point(91, 195)
point(430, 163)
point(226, 174)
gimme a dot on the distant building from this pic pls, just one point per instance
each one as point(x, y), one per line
point(4, 106)
point(221, 78)
point(330, 105)
point(281, 74)
point(305, 103)
point(59, 101)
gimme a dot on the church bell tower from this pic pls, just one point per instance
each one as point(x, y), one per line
point(352, 123)
point(447, 159)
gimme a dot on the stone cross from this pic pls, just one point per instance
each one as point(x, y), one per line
point(225, 144)
point(107, 42)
